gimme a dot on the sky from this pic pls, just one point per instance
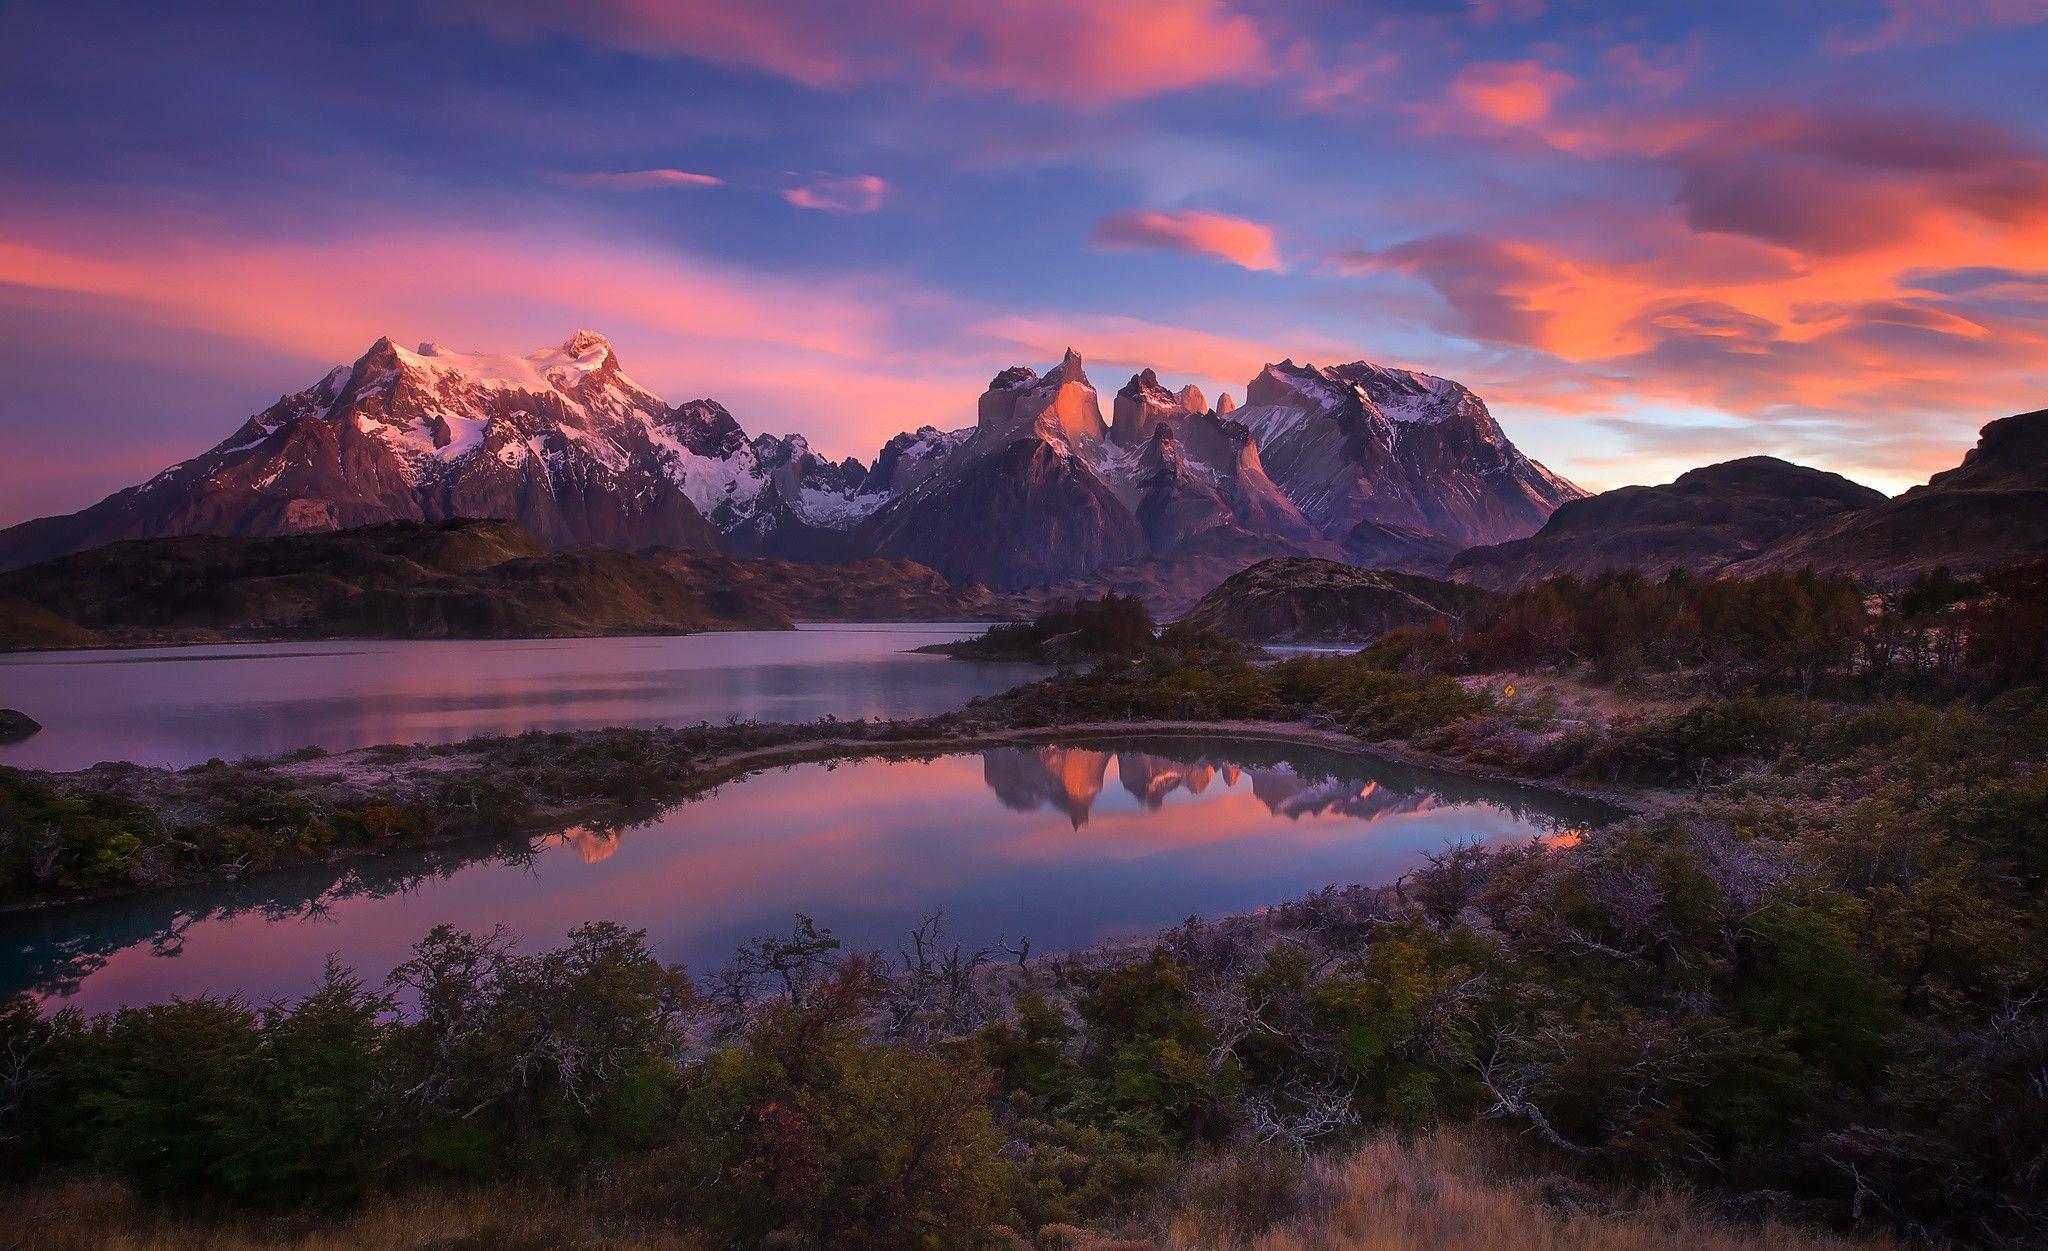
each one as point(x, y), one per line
point(1650, 235)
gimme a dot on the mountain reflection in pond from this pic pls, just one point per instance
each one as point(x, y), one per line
point(1066, 844)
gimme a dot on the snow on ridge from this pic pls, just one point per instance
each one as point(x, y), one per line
point(1270, 422)
point(562, 369)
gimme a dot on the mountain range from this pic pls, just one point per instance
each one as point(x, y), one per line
point(1041, 497)
point(1354, 461)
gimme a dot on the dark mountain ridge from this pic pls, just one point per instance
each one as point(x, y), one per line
point(1705, 521)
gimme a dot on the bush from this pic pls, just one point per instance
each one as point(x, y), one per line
point(808, 1127)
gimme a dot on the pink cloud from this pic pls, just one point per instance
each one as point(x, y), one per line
point(1850, 356)
point(639, 180)
point(1913, 22)
point(1075, 52)
point(1244, 243)
point(1110, 345)
point(849, 360)
point(825, 355)
point(1504, 93)
point(851, 193)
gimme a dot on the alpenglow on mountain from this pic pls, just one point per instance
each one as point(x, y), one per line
point(1353, 461)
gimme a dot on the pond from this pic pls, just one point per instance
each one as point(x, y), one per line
point(1065, 844)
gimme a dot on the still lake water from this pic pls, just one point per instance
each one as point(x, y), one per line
point(181, 706)
point(1065, 844)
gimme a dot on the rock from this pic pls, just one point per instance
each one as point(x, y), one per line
point(16, 725)
point(560, 441)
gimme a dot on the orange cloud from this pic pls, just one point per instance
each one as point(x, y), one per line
point(1814, 273)
point(1075, 52)
point(1501, 93)
point(1246, 244)
point(1221, 362)
point(1855, 358)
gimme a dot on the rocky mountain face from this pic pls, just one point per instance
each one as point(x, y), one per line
point(1395, 467)
point(560, 441)
point(1991, 510)
point(1305, 600)
point(765, 495)
point(1354, 461)
point(452, 579)
point(1707, 521)
point(1367, 453)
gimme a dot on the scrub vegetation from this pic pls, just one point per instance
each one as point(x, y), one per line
point(1804, 989)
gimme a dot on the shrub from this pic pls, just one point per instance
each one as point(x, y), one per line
point(807, 1127)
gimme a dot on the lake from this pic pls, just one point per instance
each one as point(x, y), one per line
point(1065, 844)
point(181, 706)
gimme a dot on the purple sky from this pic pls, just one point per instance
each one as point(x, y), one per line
point(1651, 236)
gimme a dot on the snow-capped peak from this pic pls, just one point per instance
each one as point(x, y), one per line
point(560, 369)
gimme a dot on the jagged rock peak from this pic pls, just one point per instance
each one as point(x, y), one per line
point(1225, 405)
point(1060, 404)
point(1015, 378)
point(1145, 384)
point(1140, 406)
point(1190, 397)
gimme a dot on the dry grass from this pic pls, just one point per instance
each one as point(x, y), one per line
point(1449, 1190)
point(103, 1215)
point(1444, 1191)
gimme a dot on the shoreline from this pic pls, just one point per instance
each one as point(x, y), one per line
point(358, 767)
point(272, 640)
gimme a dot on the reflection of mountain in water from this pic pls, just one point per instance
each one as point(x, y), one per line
point(1069, 780)
point(53, 950)
point(590, 843)
point(1291, 781)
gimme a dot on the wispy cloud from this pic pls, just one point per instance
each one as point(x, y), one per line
point(840, 193)
point(1219, 236)
point(1073, 52)
point(638, 180)
point(1918, 22)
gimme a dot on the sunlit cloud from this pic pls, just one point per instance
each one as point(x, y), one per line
point(825, 355)
point(639, 180)
point(1514, 93)
point(1219, 236)
point(850, 193)
point(1072, 52)
point(1180, 353)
